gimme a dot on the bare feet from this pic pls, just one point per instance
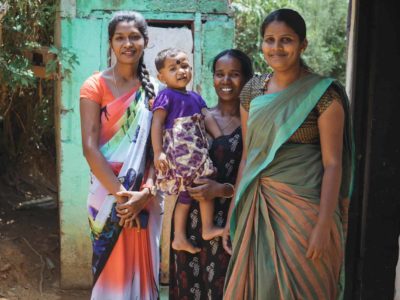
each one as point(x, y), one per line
point(212, 232)
point(183, 244)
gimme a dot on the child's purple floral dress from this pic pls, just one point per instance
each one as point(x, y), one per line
point(184, 140)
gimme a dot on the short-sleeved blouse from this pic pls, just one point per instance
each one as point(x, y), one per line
point(178, 104)
point(308, 132)
point(95, 89)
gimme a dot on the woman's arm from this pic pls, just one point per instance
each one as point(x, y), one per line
point(244, 115)
point(208, 189)
point(90, 129)
point(137, 201)
point(330, 124)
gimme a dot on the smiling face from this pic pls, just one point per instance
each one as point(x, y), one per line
point(228, 78)
point(176, 72)
point(282, 47)
point(127, 43)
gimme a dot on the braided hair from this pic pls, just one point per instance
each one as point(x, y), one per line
point(141, 25)
point(144, 77)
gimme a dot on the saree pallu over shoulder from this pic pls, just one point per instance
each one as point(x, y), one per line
point(277, 203)
point(125, 261)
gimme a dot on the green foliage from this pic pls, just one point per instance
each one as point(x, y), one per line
point(27, 102)
point(29, 21)
point(249, 15)
point(66, 59)
point(15, 71)
point(326, 32)
point(26, 25)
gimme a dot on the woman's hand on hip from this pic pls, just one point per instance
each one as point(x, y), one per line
point(206, 190)
point(129, 211)
point(319, 240)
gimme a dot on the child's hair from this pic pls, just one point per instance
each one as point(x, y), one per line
point(164, 54)
point(141, 25)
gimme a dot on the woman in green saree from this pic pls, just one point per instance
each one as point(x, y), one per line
point(288, 221)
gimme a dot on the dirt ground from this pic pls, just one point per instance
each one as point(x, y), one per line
point(29, 246)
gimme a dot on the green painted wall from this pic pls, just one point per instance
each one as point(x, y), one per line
point(83, 30)
point(85, 7)
point(83, 37)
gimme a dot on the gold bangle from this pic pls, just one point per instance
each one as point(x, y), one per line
point(232, 187)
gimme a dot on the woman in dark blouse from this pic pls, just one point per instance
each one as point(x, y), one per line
point(202, 276)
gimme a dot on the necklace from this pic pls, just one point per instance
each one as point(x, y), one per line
point(227, 124)
point(115, 83)
point(266, 81)
point(134, 83)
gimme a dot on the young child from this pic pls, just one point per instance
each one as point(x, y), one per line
point(180, 145)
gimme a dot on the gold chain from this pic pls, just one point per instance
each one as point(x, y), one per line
point(229, 123)
point(115, 83)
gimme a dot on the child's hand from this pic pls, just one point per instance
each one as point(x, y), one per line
point(160, 162)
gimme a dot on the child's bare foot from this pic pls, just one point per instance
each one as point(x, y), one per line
point(212, 232)
point(183, 244)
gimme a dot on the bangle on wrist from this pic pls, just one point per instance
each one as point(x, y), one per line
point(230, 186)
point(152, 189)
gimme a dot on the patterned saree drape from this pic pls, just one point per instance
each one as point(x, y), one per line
point(125, 260)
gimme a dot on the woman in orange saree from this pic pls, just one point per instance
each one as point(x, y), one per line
point(124, 218)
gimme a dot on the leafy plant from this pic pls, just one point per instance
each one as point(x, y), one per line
point(15, 70)
point(65, 62)
point(27, 102)
point(249, 15)
point(326, 32)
